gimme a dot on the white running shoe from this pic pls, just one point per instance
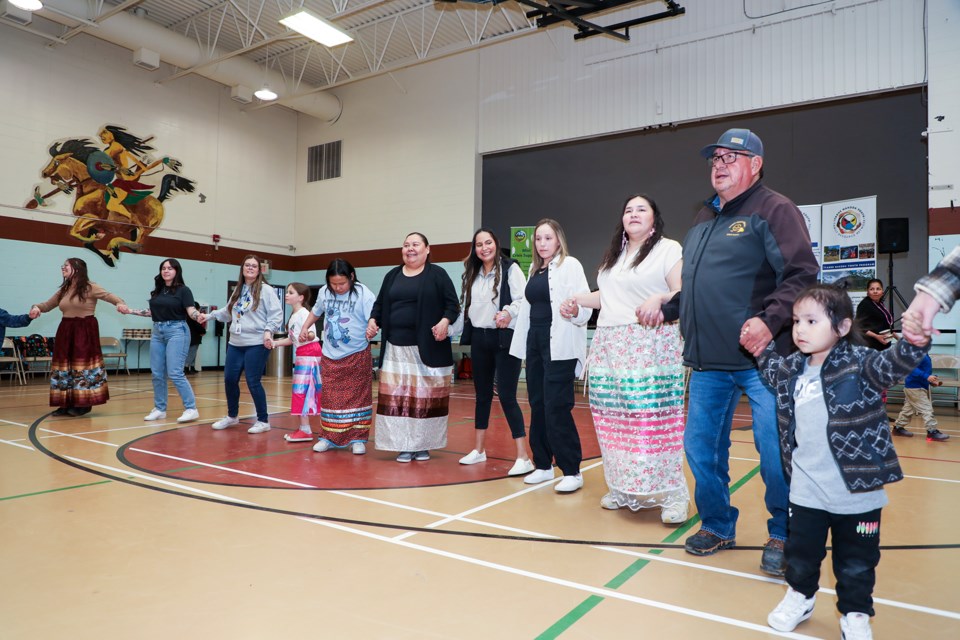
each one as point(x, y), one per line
point(225, 422)
point(358, 448)
point(569, 484)
point(609, 502)
point(259, 427)
point(538, 476)
point(521, 467)
point(792, 610)
point(474, 457)
point(156, 414)
point(675, 513)
point(855, 626)
point(189, 416)
point(322, 445)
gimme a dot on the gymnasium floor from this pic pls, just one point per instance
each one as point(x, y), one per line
point(111, 527)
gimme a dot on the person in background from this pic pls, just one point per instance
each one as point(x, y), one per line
point(636, 372)
point(874, 319)
point(78, 379)
point(255, 314)
point(171, 303)
point(307, 381)
point(491, 291)
point(916, 402)
point(197, 331)
point(415, 308)
point(828, 398)
point(551, 334)
point(346, 408)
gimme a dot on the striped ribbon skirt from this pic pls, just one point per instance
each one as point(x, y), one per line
point(347, 408)
point(77, 375)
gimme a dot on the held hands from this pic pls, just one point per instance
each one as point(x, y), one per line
point(201, 318)
point(755, 336)
point(124, 309)
point(649, 313)
point(926, 307)
point(372, 329)
point(502, 319)
point(34, 312)
point(305, 336)
point(440, 330)
point(912, 325)
point(268, 340)
point(569, 308)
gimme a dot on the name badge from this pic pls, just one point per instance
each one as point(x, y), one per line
point(236, 328)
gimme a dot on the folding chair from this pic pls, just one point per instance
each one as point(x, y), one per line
point(16, 366)
point(118, 355)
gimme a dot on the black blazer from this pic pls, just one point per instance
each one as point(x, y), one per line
point(870, 318)
point(437, 299)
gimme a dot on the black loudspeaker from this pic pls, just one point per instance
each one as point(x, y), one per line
point(893, 235)
point(218, 328)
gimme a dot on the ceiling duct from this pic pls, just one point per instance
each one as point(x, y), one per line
point(127, 30)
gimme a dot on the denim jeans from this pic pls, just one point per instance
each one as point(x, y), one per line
point(249, 360)
point(169, 342)
point(713, 398)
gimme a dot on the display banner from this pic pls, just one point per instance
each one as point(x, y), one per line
point(849, 242)
point(811, 215)
point(521, 247)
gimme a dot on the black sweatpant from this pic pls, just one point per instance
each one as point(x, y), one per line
point(490, 353)
point(553, 433)
point(856, 554)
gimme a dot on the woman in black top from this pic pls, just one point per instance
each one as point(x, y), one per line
point(416, 305)
point(874, 319)
point(171, 302)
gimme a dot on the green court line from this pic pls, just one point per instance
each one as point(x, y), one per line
point(582, 609)
point(40, 493)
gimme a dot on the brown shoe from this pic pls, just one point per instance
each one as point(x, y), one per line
point(773, 562)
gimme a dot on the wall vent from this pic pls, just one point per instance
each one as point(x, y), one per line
point(323, 161)
point(15, 14)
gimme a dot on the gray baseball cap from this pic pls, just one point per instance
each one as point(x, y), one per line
point(737, 140)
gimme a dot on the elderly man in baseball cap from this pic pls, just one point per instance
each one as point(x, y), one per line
point(745, 259)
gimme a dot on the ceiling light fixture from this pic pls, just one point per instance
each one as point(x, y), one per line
point(27, 5)
point(265, 93)
point(316, 28)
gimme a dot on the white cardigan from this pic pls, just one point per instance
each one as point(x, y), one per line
point(568, 337)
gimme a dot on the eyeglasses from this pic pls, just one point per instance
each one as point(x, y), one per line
point(726, 158)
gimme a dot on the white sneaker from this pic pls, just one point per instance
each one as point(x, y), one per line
point(521, 467)
point(189, 416)
point(223, 423)
point(259, 427)
point(156, 414)
point(474, 457)
point(538, 476)
point(358, 448)
point(792, 610)
point(855, 626)
point(609, 502)
point(569, 484)
point(322, 445)
point(674, 513)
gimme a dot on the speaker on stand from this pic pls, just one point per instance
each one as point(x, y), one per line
point(893, 236)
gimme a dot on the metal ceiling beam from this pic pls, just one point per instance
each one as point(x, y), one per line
point(231, 54)
point(123, 6)
point(670, 13)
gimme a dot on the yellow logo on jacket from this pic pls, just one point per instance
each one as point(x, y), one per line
point(737, 228)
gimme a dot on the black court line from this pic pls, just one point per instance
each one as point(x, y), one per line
point(399, 527)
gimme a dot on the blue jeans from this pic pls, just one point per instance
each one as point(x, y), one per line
point(713, 398)
point(169, 342)
point(251, 361)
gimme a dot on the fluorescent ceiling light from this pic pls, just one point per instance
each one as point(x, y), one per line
point(316, 28)
point(27, 5)
point(265, 93)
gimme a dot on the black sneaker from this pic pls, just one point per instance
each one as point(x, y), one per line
point(900, 431)
point(704, 543)
point(62, 411)
point(773, 562)
point(78, 411)
point(936, 436)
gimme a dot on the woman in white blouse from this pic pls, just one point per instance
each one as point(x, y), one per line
point(636, 372)
point(553, 339)
point(492, 288)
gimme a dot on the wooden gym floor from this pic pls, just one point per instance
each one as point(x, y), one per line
point(111, 527)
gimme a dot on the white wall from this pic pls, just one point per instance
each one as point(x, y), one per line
point(944, 103)
point(409, 161)
point(242, 162)
point(711, 61)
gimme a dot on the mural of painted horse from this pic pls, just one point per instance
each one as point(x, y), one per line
point(78, 165)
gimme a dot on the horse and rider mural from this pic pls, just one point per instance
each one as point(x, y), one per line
point(120, 191)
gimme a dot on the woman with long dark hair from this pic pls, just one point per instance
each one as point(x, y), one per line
point(346, 405)
point(875, 320)
point(636, 372)
point(171, 302)
point(553, 339)
point(255, 313)
point(78, 379)
point(491, 291)
point(415, 308)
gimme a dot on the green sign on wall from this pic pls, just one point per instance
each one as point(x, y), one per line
point(521, 246)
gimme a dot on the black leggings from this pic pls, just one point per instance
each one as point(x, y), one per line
point(490, 352)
